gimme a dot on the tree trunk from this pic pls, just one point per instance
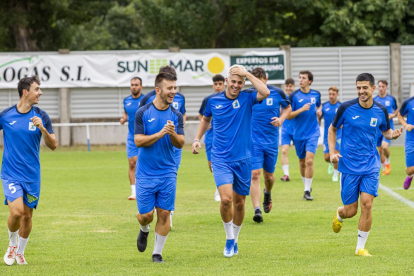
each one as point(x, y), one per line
point(22, 37)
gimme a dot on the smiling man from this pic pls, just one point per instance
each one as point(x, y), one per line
point(232, 145)
point(23, 126)
point(359, 162)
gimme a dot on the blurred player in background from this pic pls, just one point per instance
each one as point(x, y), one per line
point(131, 105)
point(218, 86)
point(407, 109)
point(23, 126)
point(359, 162)
point(159, 130)
point(231, 152)
point(266, 120)
point(305, 103)
point(383, 144)
point(287, 134)
point(328, 112)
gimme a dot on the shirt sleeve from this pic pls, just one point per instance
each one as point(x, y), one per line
point(139, 123)
point(180, 126)
point(182, 108)
point(339, 118)
point(202, 107)
point(385, 124)
point(395, 106)
point(207, 109)
point(403, 109)
point(47, 122)
point(253, 97)
point(318, 100)
point(143, 101)
point(284, 101)
point(292, 102)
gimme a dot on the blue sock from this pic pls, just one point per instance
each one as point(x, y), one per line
point(257, 208)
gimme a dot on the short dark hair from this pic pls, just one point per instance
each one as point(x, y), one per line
point(164, 76)
point(168, 69)
point(289, 81)
point(218, 78)
point(25, 83)
point(384, 82)
point(307, 72)
point(259, 73)
point(137, 78)
point(366, 77)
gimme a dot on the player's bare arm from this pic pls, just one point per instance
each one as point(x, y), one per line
point(142, 140)
point(204, 126)
point(392, 134)
point(50, 139)
point(332, 142)
point(296, 113)
point(123, 119)
point(176, 139)
point(402, 121)
point(278, 121)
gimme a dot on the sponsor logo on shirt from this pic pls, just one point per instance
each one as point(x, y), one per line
point(269, 101)
point(301, 100)
point(327, 109)
point(236, 104)
point(175, 105)
point(313, 100)
point(387, 103)
point(128, 104)
point(152, 119)
point(356, 117)
point(218, 106)
point(373, 122)
point(32, 126)
point(12, 123)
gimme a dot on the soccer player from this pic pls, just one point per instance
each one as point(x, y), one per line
point(407, 108)
point(287, 134)
point(23, 126)
point(383, 144)
point(328, 112)
point(232, 144)
point(178, 104)
point(305, 103)
point(218, 86)
point(359, 162)
point(131, 104)
point(266, 120)
point(159, 129)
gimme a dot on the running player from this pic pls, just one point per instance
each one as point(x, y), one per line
point(305, 103)
point(218, 86)
point(407, 108)
point(23, 126)
point(159, 129)
point(266, 120)
point(328, 112)
point(131, 104)
point(383, 144)
point(359, 162)
point(287, 134)
point(232, 144)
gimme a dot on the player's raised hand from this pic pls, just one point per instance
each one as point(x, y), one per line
point(306, 107)
point(409, 127)
point(335, 157)
point(319, 113)
point(238, 71)
point(196, 144)
point(170, 127)
point(276, 122)
point(122, 121)
point(396, 133)
point(37, 122)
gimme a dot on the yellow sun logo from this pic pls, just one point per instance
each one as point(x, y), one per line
point(215, 65)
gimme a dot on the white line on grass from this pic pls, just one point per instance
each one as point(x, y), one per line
point(397, 196)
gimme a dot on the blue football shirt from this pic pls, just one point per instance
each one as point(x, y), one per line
point(208, 137)
point(157, 160)
point(131, 106)
point(232, 125)
point(407, 108)
point(390, 103)
point(288, 126)
point(306, 123)
point(328, 113)
point(178, 102)
point(360, 127)
point(263, 132)
point(21, 144)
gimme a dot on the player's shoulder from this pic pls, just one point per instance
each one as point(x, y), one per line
point(381, 107)
point(249, 90)
point(376, 98)
point(40, 111)
point(215, 95)
point(175, 112)
point(127, 98)
point(293, 94)
point(180, 95)
point(275, 90)
point(2, 113)
point(348, 104)
point(407, 101)
point(149, 95)
point(325, 103)
point(313, 91)
point(392, 98)
point(143, 109)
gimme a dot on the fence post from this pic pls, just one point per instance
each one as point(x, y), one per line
point(395, 72)
point(64, 114)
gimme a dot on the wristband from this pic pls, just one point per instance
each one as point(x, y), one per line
point(196, 140)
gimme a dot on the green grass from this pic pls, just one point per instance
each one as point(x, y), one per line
point(85, 226)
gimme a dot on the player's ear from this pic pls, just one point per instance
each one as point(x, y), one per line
point(157, 90)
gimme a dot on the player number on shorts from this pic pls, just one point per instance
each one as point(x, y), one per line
point(12, 188)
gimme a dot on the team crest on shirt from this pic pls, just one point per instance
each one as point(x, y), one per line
point(236, 104)
point(269, 101)
point(175, 105)
point(313, 100)
point(373, 122)
point(32, 126)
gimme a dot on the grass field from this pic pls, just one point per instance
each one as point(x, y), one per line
point(85, 225)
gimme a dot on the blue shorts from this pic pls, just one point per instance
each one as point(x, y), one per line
point(155, 192)
point(302, 146)
point(208, 151)
point(326, 146)
point(131, 148)
point(286, 138)
point(264, 158)
point(382, 138)
point(238, 173)
point(30, 191)
point(353, 184)
point(177, 157)
point(409, 155)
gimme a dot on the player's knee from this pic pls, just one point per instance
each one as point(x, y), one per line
point(16, 213)
point(350, 212)
point(409, 170)
point(366, 207)
point(163, 216)
point(269, 177)
point(226, 201)
point(239, 206)
point(26, 217)
point(132, 165)
point(146, 218)
point(285, 151)
point(256, 175)
point(309, 162)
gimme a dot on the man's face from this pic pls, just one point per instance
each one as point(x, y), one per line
point(365, 90)
point(34, 93)
point(304, 81)
point(218, 86)
point(167, 91)
point(333, 96)
point(289, 88)
point(136, 87)
point(235, 84)
point(382, 88)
